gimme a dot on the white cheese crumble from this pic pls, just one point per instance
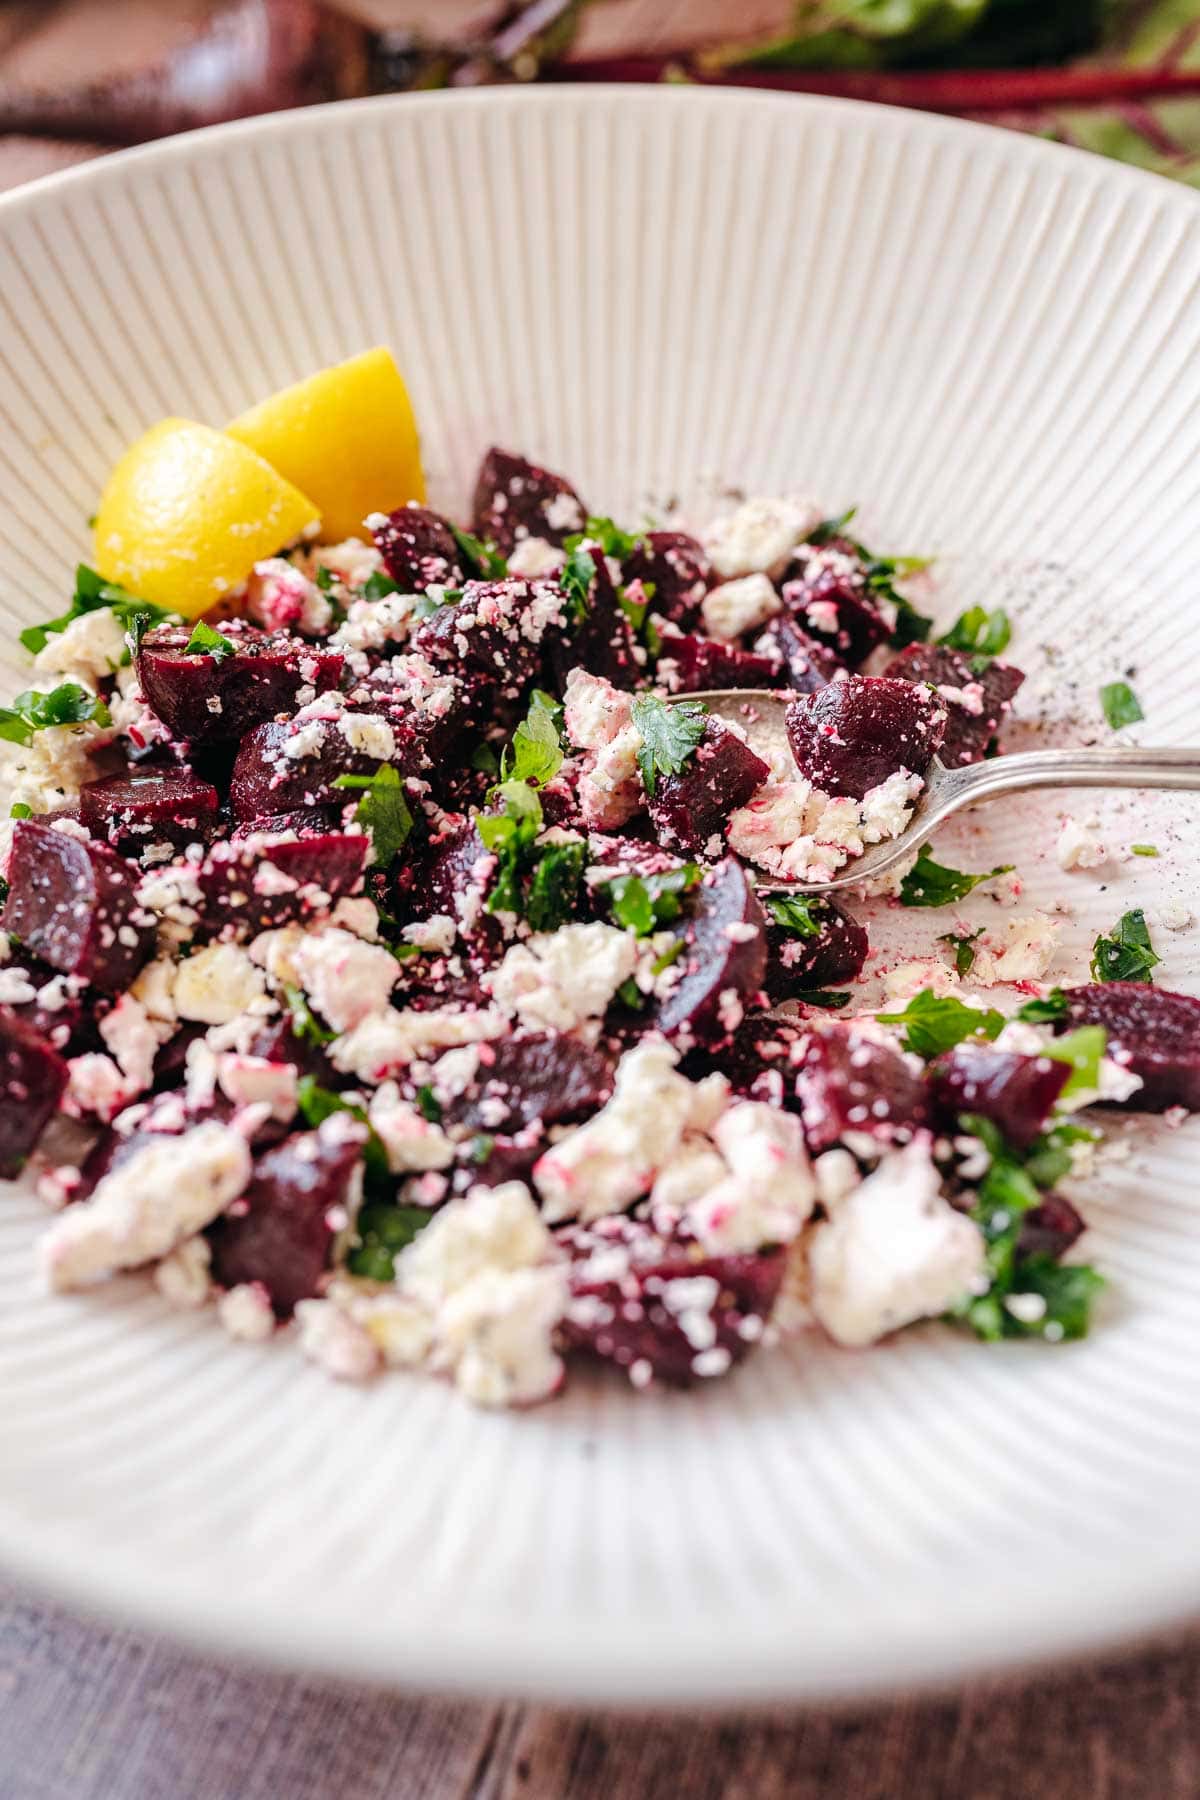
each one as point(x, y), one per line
point(386, 1041)
point(559, 979)
point(1078, 847)
point(739, 606)
point(769, 1189)
point(90, 649)
point(345, 979)
point(759, 536)
point(245, 1313)
point(533, 559)
point(182, 1277)
point(215, 984)
point(412, 1142)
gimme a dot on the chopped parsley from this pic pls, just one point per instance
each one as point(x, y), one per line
point(378, 586)
point(796, 915)
point(481, 1147)
point(67, 704)
point(19, 810)
point(631, 995)
point(315, 1104)
point(540, 881)
point(1120, 704)
point(1144, 849)
point(671, 954)
point(1084, 1050)
point(92, 593)
point(881, 574)
point(428, 1105)
point(485, 560)
point(576, 577)
point(963, 945)
point(383, 1231)
point(1045, 1011)
point(383, 811)
point(326, 579)
point(821, 998)
point(981, 633)
point(645, 903)
point(305, 1024)
point(669, 734)
point(934, 1023)
point(204, 641)
point(1128, 955)
point(610, 537)
point(930, 883)
point(536, 753)
point(1028, 1296)
point(484, 758)
point(433, 600)
point(554, 885)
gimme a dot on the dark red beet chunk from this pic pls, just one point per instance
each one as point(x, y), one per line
point(690, 809)
point(849, 1083)
point(495, 630)
point(32, 1078)
point(506, 1159)
point(602, 643)
point(678, 568)
point(1152, 1031)
point(305, 821)
point(74, 905)
point(806, 663)
point(266, 781)
point(757, 1060)
point(60, 1018)
point(973, 722)
point(287, 1219)
point(419, 550)
point(548, 1077)
point(149, 806)
point(277, 1042)
point(256, 884)
point(689, 665)
point(455, 865)
point(1017, 1093)
point(211, 700)
point(826, 593)
point(798, 964)
point(724, 958)
point(850, 736)
point(1049, 1229)
point(516, 499)
point(637, 1319)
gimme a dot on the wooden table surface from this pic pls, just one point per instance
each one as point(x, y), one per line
point(88, 1712)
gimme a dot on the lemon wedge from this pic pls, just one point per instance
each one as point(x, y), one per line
point(346, 435)
point(188, 511)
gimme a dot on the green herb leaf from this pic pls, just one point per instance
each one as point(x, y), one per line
point(536, 754)
point(671, 954)
point(670, 734)
point(930, 883)
point(91, 593)
point(510, 835)
point(798, 916)
point(645, 903)
point(484, 758)
point(1083, 1049)
point(67, 704)
point(963, 945)
point(554, 886)
point(982, 633)
point(326, 579)
point(484, 559)
point(1128, 955)
point(482, 1145)
point(428, 1105)
point(19, 810)
point(433, 600)
point(1120, 704)
point(204, 641)
point(611, 539)
point(934, 1023)
point(1144, 849)
point(305, 1024)
point(823, 999)
point(383, 1231)
point(1045, 1011)
point(315, 1103)
point(631, 995)
point(383, 811)
point(378, 586)
point(578, 573)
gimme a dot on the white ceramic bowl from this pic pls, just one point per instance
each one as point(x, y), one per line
point(994, 346)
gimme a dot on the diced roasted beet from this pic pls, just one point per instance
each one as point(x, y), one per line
point(277, 1042)
point(806, 664)
point(267, 781)
point(259, 882)
point(549, 1077)
point(217, 699)
point(1050, 1228)
point(1017, 1093)
point(977, 701)
point(149, 806)
point(281, 1231)
point(32, 1079)
point(419, 549)
point(850, 736)
point(74, 904)
point(56, 1011)
point(679, 570)
point(1151, 1031)
point(673, 1314)
point(798, 964)
point(305, 821)
point(495, 1160)
point(689, 810)
point(690, 664)
point(602, 643)
point(757, 1060)
point(516, 499)
point(849, 1084)
point(825, 591)
point(496, 630)
point(723, 961)
point(436, 875)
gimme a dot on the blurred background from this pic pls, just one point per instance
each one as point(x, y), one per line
point(1121, 77)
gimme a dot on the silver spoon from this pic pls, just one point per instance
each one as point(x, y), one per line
point(760, 712)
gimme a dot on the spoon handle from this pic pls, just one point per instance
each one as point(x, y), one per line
point(1141, 768)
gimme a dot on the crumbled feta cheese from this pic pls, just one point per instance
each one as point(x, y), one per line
point(1078, 847)
point(16, 988)
point(245, 1312)
point(559, 979)
point(133, 1039)
point(769, 1190)
point(435, 934)
point(886, 809)
point(253, 1081)
point(368, 735)
point(345, 979)
point(1175, 915)
point(182, 1278)
point(533, 558)
point(759, 536)
point(374, 624)
point(1027, 953)
point(166, 1191)
point(49, 771)
point(893, 1251)
point(330, 1337)
point(280, 597)
point(386, 1041)
point(95, 1085)
point(908, 978)
point(91, 649)
point(739, 606)
point(215, 984)
point(412, 1142)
